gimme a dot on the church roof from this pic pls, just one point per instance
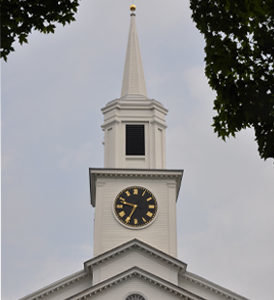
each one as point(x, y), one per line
point(133, 79)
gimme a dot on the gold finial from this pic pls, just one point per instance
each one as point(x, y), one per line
point(133, 7)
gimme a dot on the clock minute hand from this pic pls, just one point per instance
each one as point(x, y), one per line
point(132, 212)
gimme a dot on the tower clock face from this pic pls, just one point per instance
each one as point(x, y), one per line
point(135, 207)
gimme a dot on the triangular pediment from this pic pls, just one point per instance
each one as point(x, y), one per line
point(143, 275)
point(137, 245)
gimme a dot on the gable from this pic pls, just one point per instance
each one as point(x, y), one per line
point(134, 258)
point(135, 254)
point(135, 280)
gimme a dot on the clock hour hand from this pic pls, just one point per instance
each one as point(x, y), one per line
point(127, 203)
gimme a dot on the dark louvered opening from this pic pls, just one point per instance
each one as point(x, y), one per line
point(135, 140)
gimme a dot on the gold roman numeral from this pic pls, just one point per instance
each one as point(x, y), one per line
point(119, 206)
point(121, 198)
point(148, 199)
point(143, 193)
point(135, 191)
point(144, 219)
point(151, 206)
point(127, 193)
point(135, 221)
point(149, 214)
point(122, 213)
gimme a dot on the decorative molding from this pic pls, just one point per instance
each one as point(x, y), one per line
point(57, 286)
point(139, 104)
point(115, 118)
point(138, 172)
point(134, 157)
point(95, 173)
point(134, 293)
point(111, 122)
point(218, 290)
point(159, 123)
point(135, 244)
point(136, 272)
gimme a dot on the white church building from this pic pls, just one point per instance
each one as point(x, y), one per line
point(134, 197)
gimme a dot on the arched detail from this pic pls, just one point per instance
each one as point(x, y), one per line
point(135, 297)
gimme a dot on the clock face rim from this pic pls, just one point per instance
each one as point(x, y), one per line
point(129, 226)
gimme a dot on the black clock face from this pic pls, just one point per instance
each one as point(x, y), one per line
point(135, 206)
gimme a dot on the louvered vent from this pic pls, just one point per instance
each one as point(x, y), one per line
point(135, 140)
point(135, 297)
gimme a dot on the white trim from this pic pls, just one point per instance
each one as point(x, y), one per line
point(134, 157)
point(57, 286)
point(95, 173)
point(140, 245)
point(136, 272)
point(217, 289)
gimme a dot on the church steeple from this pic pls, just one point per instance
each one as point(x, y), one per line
point(133, 79)
point(134, 125)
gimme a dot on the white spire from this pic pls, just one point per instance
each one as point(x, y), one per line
point(134, 79)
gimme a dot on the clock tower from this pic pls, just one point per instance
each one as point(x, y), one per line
point(134, 195)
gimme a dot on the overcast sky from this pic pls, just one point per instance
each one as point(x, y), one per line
point(52, 92)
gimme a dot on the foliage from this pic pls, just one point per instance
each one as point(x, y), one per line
point(20, 17)
point(239, 49)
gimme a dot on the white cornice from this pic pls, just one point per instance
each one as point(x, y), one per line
point(136, 272)
point(212, 286)
point(134, 173)
point(136, 244)
point(57, 286)
point(134, 103)
point(115, 119)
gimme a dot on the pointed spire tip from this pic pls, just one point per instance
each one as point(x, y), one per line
point(133, 78)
